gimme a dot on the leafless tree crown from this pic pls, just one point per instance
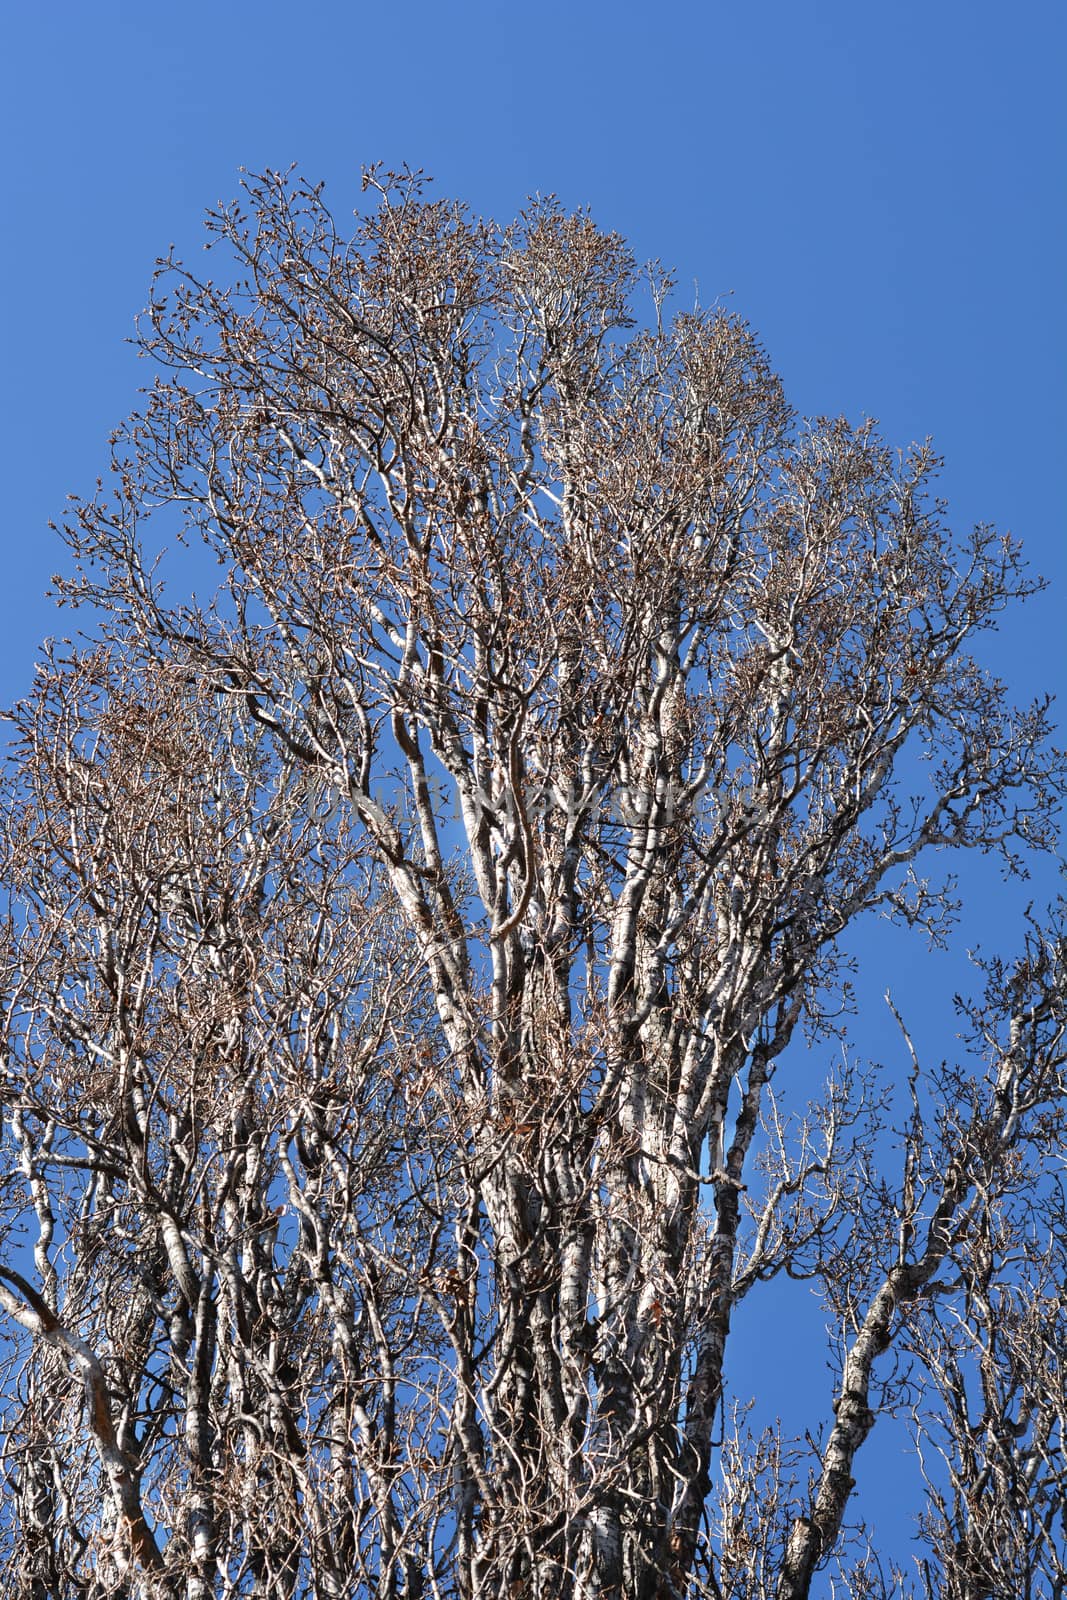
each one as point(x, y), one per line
point(411, 943)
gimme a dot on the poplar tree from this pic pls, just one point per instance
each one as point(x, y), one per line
point(428, 877)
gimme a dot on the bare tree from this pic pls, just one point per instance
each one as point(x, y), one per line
point(992, 1425)
point(407, 943)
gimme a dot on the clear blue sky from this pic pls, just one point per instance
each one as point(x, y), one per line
point(880, 187)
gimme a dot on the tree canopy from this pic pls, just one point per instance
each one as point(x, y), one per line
point(423, 956)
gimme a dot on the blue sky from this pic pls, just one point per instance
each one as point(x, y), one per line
point(880, 189)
